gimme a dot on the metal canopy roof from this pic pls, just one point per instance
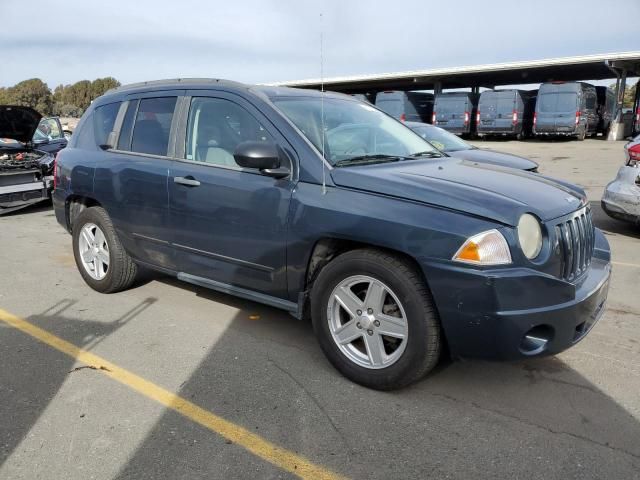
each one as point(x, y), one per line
point(587, 67)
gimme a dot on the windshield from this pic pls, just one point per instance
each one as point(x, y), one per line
point(441, 139)
point(352, 130)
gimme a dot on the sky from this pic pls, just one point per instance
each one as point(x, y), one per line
point(264, 41)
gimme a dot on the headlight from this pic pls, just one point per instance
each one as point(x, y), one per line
point(529, 236)
point(486, 248)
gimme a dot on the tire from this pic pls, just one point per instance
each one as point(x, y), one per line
point(411, 357)
point(120, 271)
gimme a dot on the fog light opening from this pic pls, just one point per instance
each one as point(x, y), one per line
point(535, 341)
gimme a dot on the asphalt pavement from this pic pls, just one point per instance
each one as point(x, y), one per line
point(168, 380)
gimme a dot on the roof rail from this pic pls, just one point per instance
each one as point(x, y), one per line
point(171, 81)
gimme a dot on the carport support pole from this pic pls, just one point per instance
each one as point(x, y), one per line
point(437, 88)
point(616, 129)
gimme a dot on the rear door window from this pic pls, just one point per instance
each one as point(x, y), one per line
point(392, 106)
point(152, 125)
point(557, 102)
point(104, 117)
point(505, 104)
point(451, 105)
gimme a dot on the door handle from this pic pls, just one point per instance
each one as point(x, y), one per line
point(189, 181)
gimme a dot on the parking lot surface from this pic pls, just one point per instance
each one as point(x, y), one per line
point(189, 383)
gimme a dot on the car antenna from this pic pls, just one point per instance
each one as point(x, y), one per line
point(322, 133)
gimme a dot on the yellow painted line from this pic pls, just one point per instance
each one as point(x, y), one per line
point(278, 456)
point(623, 264)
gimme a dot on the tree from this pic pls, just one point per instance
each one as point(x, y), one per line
point(31, 93)
point(78, 94)
point(66, 100)
point(629, 95)
point(4, 96)
point(101, 85)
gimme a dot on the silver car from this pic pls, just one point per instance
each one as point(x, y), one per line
point(621, 198)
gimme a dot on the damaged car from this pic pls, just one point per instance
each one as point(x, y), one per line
point(26, 173)
point(621, 198)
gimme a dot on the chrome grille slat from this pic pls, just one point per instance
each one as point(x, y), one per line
point(576, 239)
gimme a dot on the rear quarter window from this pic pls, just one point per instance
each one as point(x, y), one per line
point(104, 118)
point(392, 106)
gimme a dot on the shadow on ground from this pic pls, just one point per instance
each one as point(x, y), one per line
point(32, 372)
point(478, 419)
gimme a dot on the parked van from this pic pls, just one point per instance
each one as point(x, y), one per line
point(506, 113)
point(606, 108)
point(364, 97)
point(566, 109)
point(406, 106)
point(456, 112)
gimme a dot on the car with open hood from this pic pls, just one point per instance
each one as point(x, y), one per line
point(455, 146)
point(26, 172)
point(326, 207)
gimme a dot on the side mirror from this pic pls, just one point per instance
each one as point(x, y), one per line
point(261, 156)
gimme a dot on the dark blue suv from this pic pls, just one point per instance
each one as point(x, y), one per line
point(328, 208)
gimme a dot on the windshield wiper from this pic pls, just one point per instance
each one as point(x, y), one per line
point(367, 159)
point(428, 154)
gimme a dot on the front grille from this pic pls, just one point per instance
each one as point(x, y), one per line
point(575, 242)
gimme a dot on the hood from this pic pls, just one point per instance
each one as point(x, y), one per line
point(489, 191)
point(18, 123)
point(495, 158)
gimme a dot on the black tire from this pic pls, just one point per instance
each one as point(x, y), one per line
point(122, 271)
point(424, 341)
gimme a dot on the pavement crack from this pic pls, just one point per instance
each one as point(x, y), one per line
point(91, 367)
point(317, 404)
point(533, 424)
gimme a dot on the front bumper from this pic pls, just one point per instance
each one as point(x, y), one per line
point(21, 195)
point(515, 313)
point(621, 199)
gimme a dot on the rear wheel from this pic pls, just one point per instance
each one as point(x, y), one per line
point(101, 260)
point(375, 320)
point(582, 135)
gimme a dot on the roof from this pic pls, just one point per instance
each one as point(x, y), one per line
point(206, 83)
point(175, 83)
point(585, 67)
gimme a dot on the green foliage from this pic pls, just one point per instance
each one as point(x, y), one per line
point(65, 100)
point(31, 93)
point(629, 94)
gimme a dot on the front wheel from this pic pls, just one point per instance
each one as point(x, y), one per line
point(375, 320)
point(100, 257)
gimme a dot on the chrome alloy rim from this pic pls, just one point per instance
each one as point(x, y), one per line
point(367, 322)
point(94, 251)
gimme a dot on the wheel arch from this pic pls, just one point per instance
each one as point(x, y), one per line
point(326, 249)
point(74, 205)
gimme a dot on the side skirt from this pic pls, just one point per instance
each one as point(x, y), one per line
point(240, 292)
